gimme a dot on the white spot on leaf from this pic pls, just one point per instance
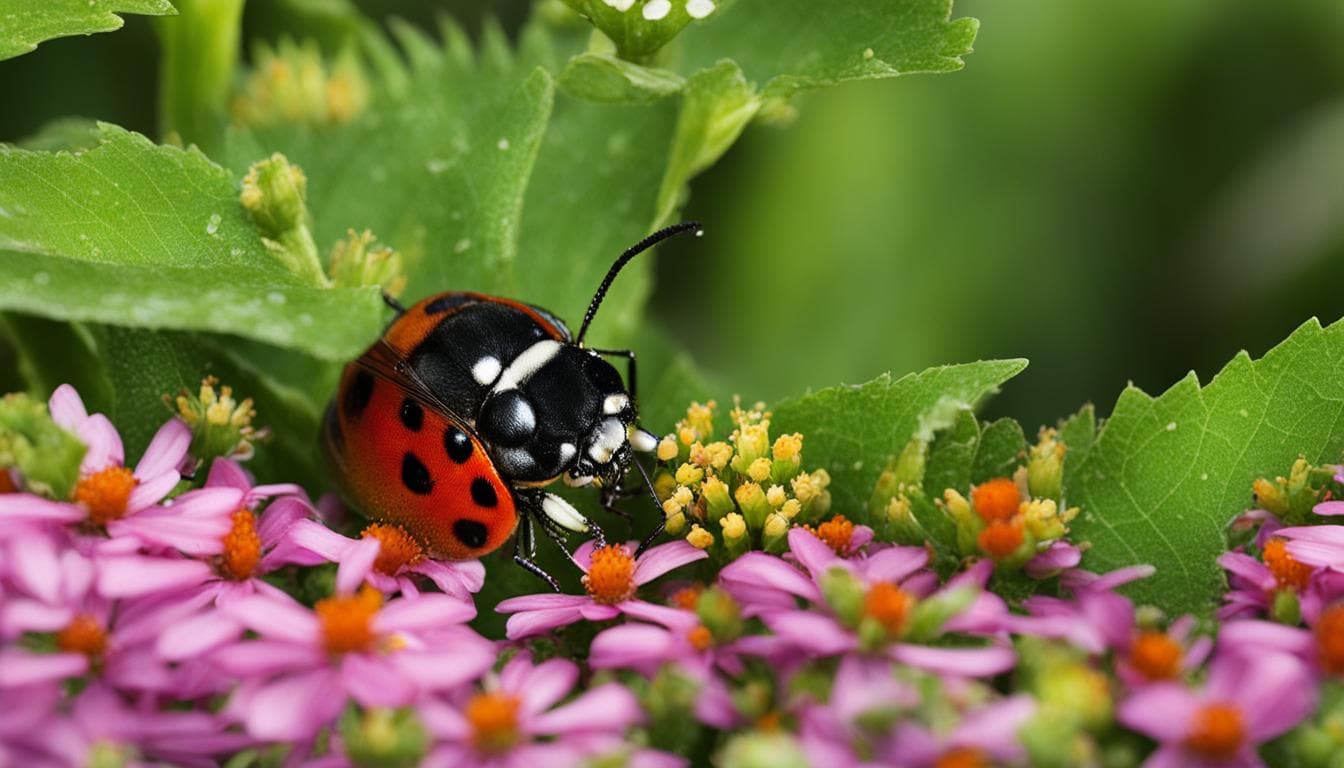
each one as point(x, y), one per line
point(462, 245)
point(212, 226)
point(655, 10)
point(503, 144)
point(699, 9)
point(1171, 426)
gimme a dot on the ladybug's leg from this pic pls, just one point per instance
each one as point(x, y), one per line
point(526, 549)
point(662, 517)
point(629, 355)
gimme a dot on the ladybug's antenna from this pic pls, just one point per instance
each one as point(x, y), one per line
point(623, 259)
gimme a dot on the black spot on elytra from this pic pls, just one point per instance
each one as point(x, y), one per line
point(415, 475)
point(458, 445)
point(483, 493)
point(412, 415)
point(445, 303)
point(470, 532)
point(358, 394)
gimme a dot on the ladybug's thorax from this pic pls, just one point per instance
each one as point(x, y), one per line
point(541, 405)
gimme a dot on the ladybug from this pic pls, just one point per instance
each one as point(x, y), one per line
point(452, 424)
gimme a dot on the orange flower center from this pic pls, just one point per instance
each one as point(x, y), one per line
point(997, 499)
point(347, 620)
point(1330, 639)
point(769, 722)
point(242, 547)
point(963, 757)
point(1289, 573)
point(686, 598)
point(889, 605)
point(1156, 656)
point(494, 721)
point(1001, 538)
point(1218, 731)
point(611, 575)
point(836, 532)
point(106, 493)
point(700, 637)
point(398, 550)
point(83, 635)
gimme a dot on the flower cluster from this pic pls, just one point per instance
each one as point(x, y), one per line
point(638, 28)
point(746, 491)
point(290, 83)
point(148, 618)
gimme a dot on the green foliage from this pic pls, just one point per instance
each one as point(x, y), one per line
point(853, 432)
point(1166, 474)
point(25, 23)
point(154, 237)
point(46, 454)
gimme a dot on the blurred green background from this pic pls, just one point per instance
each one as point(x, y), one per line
point(1119, 191)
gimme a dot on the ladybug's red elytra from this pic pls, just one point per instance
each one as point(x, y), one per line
point(452, 424)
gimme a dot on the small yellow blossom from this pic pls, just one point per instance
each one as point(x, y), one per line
point(734, 526)
point(775, 496)
point(689, 474)
point(700, 538)
point(759, 470)
point(667, 448)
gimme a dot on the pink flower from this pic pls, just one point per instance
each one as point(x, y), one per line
point(886, 588)
point(1244, 703)
point(1057, 558)
point(107, 491)
point(513, 721)
point(984, 736)
point(856, 723)
point(385, 557)
point(611, 577)
point(307, 663)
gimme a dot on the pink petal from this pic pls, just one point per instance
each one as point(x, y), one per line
point(815, 555)
point(457, 578)
point(608, 707)
point(673, 618)
point(103, 442)
point(66, 407)
point(139, 576)
point(768, 578)
point(205, 502)
point(356, 562)
point(226, 473)
point(599, 611)
point(963, 662)
point(528, 623)
point(294, 708)
point(192, 637)
point(440, 670)
point(33, 616)
point(23, 506)
point(638, 646)
point(21, 668)
point(279, 619)
point(583, 556)
point(36, 568)
point(894, 564)
point(198, 538)
point(666, 557)
point(1322, 534)
point(1275, 693)
point(543, 685)
point(994, 728)
point(165, 451)
point(1329, 508)
point(374, 683)
point(279, 516)
point(319, 539)
point(814, 633)
point(264, 658)
point(423, 613)
point(1161, 711)
point(1252, 637)
point(542, 601)
point(149, 492)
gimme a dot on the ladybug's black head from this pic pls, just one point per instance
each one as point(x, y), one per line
point(558, 409)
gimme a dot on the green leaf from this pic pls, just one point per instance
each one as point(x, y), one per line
point(25, 23)
point(603, 77)
point(1167, 474)
point(1078, 432)
point(853, 431)
point(1000, 450)
point(716, 106)
point(436, 166)
point(789, 45)
point(951, 454)
point(153, 236)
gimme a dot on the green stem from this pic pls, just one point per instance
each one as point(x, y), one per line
point(200, 55)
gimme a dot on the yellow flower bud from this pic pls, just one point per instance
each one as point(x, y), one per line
point(700, 538)
point(720, 453)
point(1041, 517)
point(759, 470)
point(667, 449)
point(791, 508)
point(788, 447)
point(689, 474)
point(717, 499)
point(751, 500)
point(776, 496)
point(700, 417)
point(734, 527)
point(686, 435)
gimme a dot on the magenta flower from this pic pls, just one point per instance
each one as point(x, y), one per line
point(513, 721)
point(307, 663)
point(107, 491)
point(1244, 703)
point(856, 724)
point(986, 736)
point(611, 577)
point(385, 557)
point(886, 588)
point(1057, 558)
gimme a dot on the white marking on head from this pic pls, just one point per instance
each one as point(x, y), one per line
point(657, 9)
point(563, 513)
point(567, 451)
point(641, 440)
point(614, 404)
point(486, 370)
point(606, 439)
point(523, 417)
point(528, 362)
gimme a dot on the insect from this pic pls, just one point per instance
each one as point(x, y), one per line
point(453, 423)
